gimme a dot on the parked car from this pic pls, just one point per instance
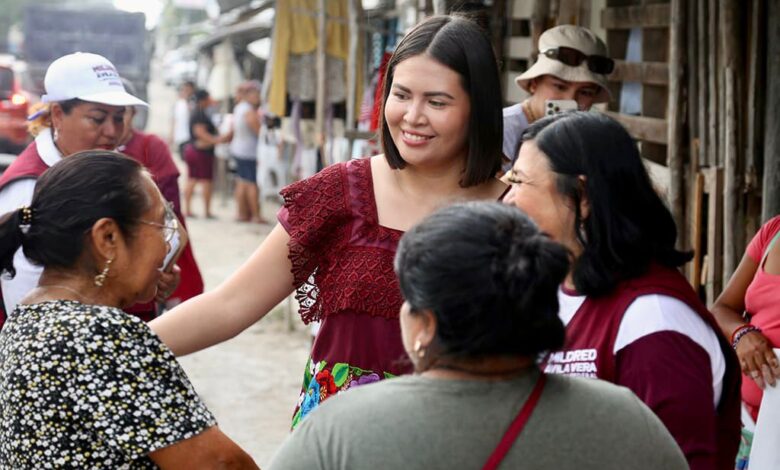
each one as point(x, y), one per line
point(16, 95)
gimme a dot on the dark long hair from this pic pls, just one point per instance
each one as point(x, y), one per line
point(629, 226)
point(68, 199)
point(490, 278)
point(459, 44)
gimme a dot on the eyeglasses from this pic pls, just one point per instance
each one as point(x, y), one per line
point(572, 57)
point(170, 223)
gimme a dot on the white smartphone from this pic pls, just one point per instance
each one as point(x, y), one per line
point(177, 244)
point(553, 107)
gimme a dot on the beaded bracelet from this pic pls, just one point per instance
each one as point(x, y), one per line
point(742, 331)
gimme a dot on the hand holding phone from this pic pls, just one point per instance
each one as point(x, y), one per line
point(178, 240)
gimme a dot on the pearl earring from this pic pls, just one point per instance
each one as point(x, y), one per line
point(419, 351)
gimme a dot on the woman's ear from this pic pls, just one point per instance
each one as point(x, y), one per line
point(56, 113)
point(106, 238)
point(584, 201)
point(427, 331)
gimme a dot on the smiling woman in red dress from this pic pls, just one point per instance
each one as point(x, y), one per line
point(338, 230)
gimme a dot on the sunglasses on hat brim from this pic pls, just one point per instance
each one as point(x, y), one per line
point(572, 57)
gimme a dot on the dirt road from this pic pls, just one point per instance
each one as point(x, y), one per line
point(251, 382)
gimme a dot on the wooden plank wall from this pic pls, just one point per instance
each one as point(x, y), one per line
point(518, 48)
point(701, 75)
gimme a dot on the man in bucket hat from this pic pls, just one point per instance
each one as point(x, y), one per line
point(572, 65)
point(83, 109)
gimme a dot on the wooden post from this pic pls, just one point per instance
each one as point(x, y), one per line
point(702, 69)
point(499, 16)
point(698, 218)
point(729, 125)
point(712, 72)
point(731, 187)
point(354, 37)
point(755, 90)
point(676, 107)
point(692, 76)
point(714, 281)
point(771, 196)
point(538, 24)
point(354, 7)
point(322, 40)
point(692, 114)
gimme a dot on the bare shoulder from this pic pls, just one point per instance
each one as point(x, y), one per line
point(379, 166)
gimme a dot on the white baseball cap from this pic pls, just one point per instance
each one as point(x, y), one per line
point(88, 77)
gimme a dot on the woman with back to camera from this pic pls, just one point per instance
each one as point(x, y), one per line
point(83, 384)
point(631, 317)
point(480, 286)
point(338, 230)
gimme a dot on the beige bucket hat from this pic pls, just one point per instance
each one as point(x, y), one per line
point(575, 37)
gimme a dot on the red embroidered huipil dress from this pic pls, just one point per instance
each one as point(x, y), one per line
point(342, 263)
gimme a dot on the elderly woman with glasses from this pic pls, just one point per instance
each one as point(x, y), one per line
point(631, 317)
point(83, 109)
point(82, 383)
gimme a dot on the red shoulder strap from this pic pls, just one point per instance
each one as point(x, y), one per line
point(517, 426)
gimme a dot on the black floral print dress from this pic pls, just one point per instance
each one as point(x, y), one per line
point(87, 386)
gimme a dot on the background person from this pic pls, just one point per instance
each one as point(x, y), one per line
point(480, 283)
point(83, 384)
point(748, 312)
point(573, 64)
point(150, 151)
point(338, 230)
point(243, 149)
point(180, 124)
point(199, 154)
point(84, 108)
point(630, 315)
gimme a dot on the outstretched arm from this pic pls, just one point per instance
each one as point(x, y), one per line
point(245, 297)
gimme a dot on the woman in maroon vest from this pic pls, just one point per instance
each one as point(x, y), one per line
point(83, 109)
point(631, 318)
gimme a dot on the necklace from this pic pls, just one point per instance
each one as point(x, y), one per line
point(69, 289)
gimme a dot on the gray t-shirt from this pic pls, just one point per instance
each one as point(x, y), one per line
point(416, 422)
point(515, 122)
point(244, 143)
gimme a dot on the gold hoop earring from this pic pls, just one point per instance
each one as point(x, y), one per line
point(419, 351)
point(100, 279)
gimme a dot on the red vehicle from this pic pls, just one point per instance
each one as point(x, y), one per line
point(14, 102)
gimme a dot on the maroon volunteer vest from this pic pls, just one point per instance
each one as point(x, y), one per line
point(591, 334)
point(27, 165)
